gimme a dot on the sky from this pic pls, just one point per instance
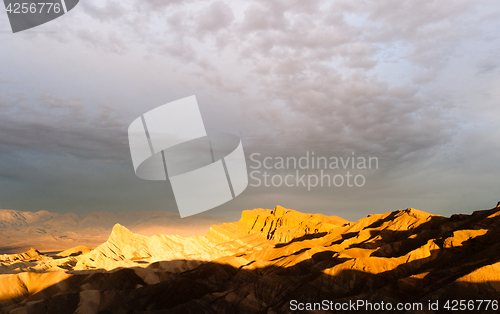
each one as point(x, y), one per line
point(415, 84)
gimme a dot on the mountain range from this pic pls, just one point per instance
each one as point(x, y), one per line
point(55, 232)
point(267, 262)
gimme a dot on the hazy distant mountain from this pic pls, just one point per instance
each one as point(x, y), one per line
point(265, 260)
point(55, 232)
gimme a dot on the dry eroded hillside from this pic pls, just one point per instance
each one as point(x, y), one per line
point(260, 263)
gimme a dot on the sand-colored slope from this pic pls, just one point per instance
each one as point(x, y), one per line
point(18, 287)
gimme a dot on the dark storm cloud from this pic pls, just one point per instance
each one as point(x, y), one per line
point(53, 124)
point(382, 78)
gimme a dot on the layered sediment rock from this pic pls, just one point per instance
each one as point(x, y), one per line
point(279, 224)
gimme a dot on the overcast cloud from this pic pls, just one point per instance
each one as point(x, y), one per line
point(414, 83)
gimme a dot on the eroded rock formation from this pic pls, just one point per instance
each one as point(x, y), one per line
point(262, 262)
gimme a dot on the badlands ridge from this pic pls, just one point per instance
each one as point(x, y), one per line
point(261, 262)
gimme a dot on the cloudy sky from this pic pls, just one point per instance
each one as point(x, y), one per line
point(414, 83)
